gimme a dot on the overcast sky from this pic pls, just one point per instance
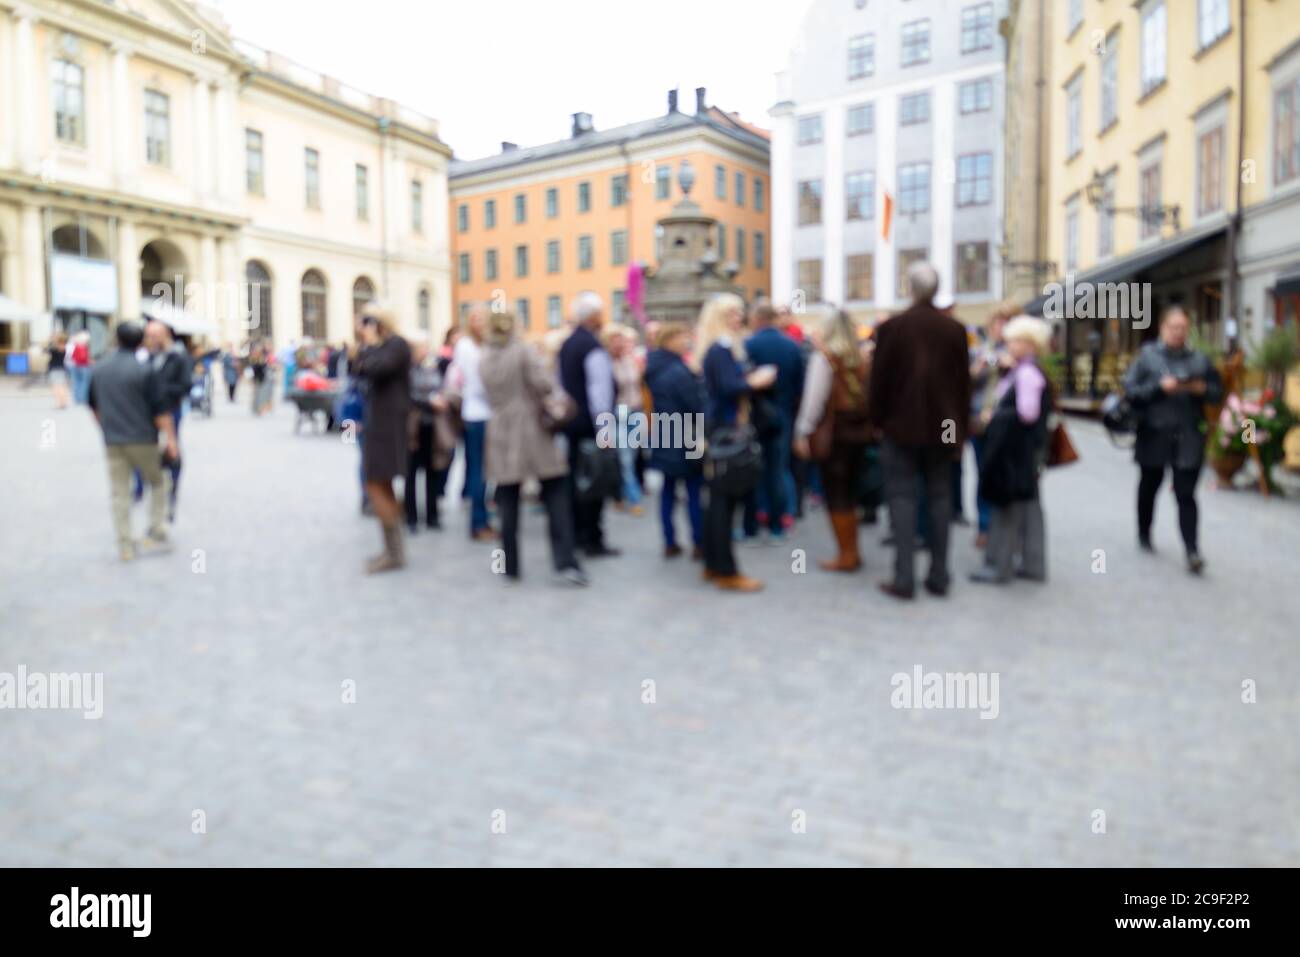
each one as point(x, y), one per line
point(493, 70)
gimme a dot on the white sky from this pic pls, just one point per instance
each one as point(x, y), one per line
point(493, 70)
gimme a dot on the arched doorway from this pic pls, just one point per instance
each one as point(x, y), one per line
point(314, 300)
point(162, 272)
point(363, 293)
point(83, 281)
point(258, 316)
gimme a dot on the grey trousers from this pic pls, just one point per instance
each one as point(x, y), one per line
point(902, 465)
point(1017, 530)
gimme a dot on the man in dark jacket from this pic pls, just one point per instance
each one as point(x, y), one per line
point(171, 364)
point(920, 398)
point(587, 374)
point(677, 392)
point(1169, 385)
point(769, 346)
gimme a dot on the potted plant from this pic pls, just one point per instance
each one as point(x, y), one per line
point(1276, 354)
point(1246, 427)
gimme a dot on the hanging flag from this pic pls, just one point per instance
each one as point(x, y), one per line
point(887, 220)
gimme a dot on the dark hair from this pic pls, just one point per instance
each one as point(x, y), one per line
point(130, 335)
point(763, 313)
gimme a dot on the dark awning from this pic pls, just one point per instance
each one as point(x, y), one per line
point(1132, 265)
point(1288, 282)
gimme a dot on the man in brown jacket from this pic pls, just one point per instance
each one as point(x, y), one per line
point(920, 398)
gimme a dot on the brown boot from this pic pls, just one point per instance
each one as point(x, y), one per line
point(738, 583)
point(845, 526)
point(394, 555)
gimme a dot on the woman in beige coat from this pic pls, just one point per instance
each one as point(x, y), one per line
point(519, 447)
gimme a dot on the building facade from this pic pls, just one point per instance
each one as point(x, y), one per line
point(144, 153)
point(533, 227)
point(1175, 158)
point(887, 148)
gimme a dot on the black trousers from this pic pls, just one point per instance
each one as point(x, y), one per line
point(559, 521)
point(1184, 491)
point(587, 529)
point(421, 460)
point(719, 519)
point(902, 465)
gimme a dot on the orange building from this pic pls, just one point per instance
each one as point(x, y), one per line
point(533, 227)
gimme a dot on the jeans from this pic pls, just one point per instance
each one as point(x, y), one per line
point(983, 508)
point(559, 521)
point(475, 434)
point(668, 504)
point(80, 384)
point(627, 457)
point(1184, 491)
point(903, 465)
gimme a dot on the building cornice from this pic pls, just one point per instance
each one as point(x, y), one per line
point(31, 189)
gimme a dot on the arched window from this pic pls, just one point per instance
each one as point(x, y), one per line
point(423, 311)
point(257, 320)
point(363, 292)
point(313, 305)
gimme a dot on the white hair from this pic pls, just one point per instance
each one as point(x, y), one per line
point(923, 281)
point(585, 307)
point(1029, 329)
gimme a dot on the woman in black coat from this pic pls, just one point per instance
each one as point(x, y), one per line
point(384, 368)
point(677, 391)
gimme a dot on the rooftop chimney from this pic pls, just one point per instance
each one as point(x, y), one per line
point(582, 124)
point(672, 101)
point(700, 106)
point(508, 147)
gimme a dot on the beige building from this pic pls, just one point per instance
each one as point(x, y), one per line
point(146, 154)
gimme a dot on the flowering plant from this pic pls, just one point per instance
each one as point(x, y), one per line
point(1262, 423)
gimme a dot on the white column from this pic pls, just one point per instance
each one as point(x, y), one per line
point(24, 74)
point(124, 139)
point(833, 211)
point(886, 183)
point(33, 259)
point(227, 136)
point(8, 91)
point(397, 214)
point(781, 238)
point(234, 299)
point(128, 271)
point(208, 277)
point(202, 140)
point(943, 187)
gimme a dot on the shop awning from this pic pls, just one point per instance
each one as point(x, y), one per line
point(13, 311)
point(1288, 281)
point(180, 320)
point(1128, 268)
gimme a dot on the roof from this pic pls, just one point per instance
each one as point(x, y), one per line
point(713, 118)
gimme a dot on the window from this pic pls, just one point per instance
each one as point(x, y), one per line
point(858, 277)
point(521, 261)
point(521, 208)
point(462, 217)
point(553, 256)
point(722, 243)
point(720, 182)
point(1211, 22)
point(363, 293)
point(618, 247)
point(363, 194)
point(1209, 174)
point(552, 203)
point(1074, 117)
point(663, 182)
point(584, 197)
point(1149, 189)
point(490, 214)
point(810, 202)
point(1286, 133)
point(254, 163)
point(914, 109)
point(760, 251)
point(157, 128)
point(313, 305)
point(862, 56)
point(311, 176)
point(740, 189)
point(972, 267)
point(1110, 82)
point(258, 281)
point(1072, 236)
point(975, 96)
point(916, 42)
point(417, 206)
point(584, 252)
point(618, 190)
point(740, 246)
point(862, 119)
point(906, 257)
point(977, 28)
point(1154, 39)
point(914, 188)
point(424, 311)
point(490, 264)
point(758, 194)
point(810, 279)
point(618, 306)
point(554, 312)
point(1106, 218)
point(860, 196)
point(69, 102)
point(522, 314)
point(464, 267)
point(1074, 16)
point(810, 130)
point(974, 179)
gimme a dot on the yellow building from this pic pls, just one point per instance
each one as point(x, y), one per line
point(1175, 165)
point(144, 152)
point(533, 227)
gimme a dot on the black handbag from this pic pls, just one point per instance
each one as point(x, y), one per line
point(765, 416)
point(1120, 419)
point(597, 475)
point(735, 460)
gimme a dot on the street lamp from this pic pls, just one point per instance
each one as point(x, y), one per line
point(1096, 193)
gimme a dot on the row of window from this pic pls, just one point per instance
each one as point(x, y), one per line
point(977, 32)
point(975, 96)
point(314, 293)
point(69, 96)
point(555, 310)
point(971, 273)
point(618, 196)
point(974, 187)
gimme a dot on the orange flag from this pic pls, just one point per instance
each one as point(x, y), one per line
point(887, 220)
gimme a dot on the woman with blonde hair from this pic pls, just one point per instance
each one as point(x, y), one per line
point(727, 386)
point(520, 446)
point(1015, 447)
point(834, 410)
point(383, 366)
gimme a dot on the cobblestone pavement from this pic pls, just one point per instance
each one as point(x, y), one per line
point(476, 704)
